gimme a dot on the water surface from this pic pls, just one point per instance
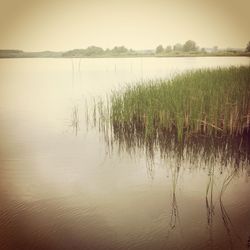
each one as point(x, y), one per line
point(63, 188)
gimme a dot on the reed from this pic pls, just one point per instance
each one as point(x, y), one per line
point(207, 102)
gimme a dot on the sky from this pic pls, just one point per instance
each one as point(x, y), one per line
point(35, 25)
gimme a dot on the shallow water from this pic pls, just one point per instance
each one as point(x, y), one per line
point(63, 188)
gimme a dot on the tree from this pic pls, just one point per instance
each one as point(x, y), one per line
point(168, 48)
point(177, 47)
point(159, 49)
point(189, 46)
point(215, 49)
point(248, 47)
point(119, 50)
point(93, 51)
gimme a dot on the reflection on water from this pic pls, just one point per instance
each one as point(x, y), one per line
point(217, 156)
point(75, 119)
point(230, 229)
point(210, 202)
point(174, 218)
point(68, 182)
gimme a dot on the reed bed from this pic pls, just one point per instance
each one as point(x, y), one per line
point(206, 102)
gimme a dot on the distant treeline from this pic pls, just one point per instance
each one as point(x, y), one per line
point(23, 54)
point(189, 48)
point(94, 51)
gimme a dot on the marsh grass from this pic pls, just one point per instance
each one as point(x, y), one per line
point(203, 112)
point(202, 102)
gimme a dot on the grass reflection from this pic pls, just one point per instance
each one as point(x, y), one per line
point(227, 222)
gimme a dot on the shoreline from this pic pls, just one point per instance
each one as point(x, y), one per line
point(131, 56)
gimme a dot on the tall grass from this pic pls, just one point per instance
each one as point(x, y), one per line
point(207, 102)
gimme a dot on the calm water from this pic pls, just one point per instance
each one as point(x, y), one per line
point(62, 188)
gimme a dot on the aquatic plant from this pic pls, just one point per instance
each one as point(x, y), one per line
point(202, 102)
point(204, 113)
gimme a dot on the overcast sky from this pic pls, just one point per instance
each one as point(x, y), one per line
point(66, 24)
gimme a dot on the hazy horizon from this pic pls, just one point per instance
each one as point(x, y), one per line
point(118, 45)
point(64, 25)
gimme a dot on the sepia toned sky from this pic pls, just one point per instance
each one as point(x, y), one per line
point(33, 25)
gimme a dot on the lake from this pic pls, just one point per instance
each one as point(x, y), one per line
point(63, 187)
